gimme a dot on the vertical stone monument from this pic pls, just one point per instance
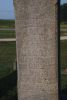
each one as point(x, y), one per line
point(37, 54)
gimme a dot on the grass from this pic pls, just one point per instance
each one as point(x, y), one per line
point(63, 26)
point(63, 81)
point(7, 57)
point(63, 58)
point(7, 34)
point(8, 77)
point(63, 53)
point(63, 33)
point(7, 23)
point(9, 90)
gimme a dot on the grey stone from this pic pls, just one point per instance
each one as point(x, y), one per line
point(37, 56)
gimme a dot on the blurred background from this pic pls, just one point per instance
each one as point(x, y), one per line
point(8, 73)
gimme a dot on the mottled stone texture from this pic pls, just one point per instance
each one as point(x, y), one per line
point(36, 49)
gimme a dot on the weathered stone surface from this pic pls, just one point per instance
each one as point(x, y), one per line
point(36, 49)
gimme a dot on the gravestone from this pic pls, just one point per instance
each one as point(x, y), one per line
point(37, 54)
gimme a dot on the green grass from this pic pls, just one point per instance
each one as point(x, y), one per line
point(63, 81)
point(8, 80)
point(63, 53)
point(7, 23)
point(7, 34)
point(63, 59)
point(8, 90)
point(11, 95)
point(63, 26)
point(7, 57)
point(63, 33)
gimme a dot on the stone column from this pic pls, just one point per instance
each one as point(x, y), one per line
point(36, 41)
